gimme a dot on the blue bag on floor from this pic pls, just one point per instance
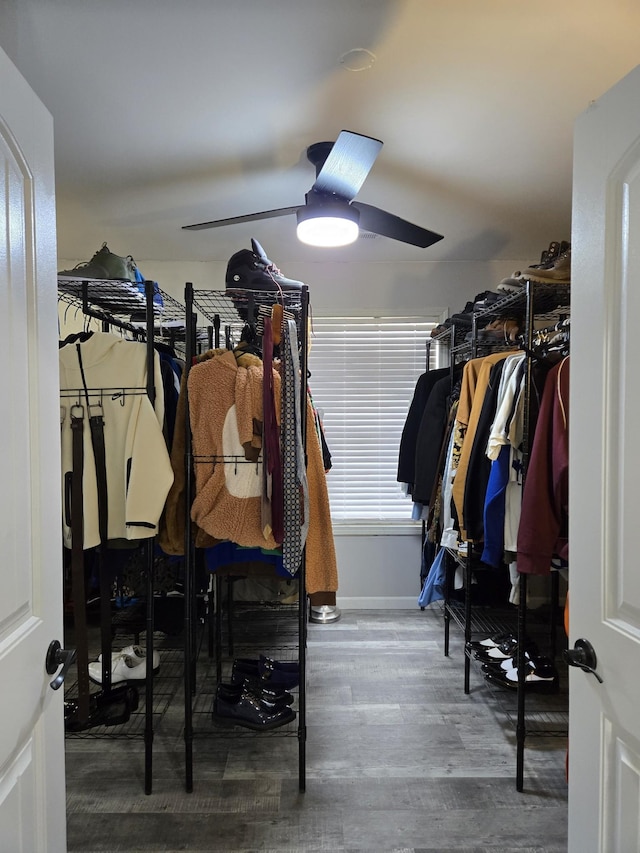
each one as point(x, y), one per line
point(434, 585)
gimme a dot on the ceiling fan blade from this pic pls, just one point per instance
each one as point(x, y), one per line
point(236, 220)
point(348, 164)
point(387, 225)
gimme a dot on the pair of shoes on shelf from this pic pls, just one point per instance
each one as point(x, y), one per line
point(130, 664)
point(251, 269)
point(104, 265)
point(464, 318)
point(503, 665)
point(105, 709)
point(512, 284)
point(554, 267)
point(550, 255)
point(248, 711)
point(445, 328)
point(557, 271)
point(273, 700)
point(503, 651)
point(461, 320)
point(486, 299)
point(491, 642)
point(499, 331)
point(137, 653)
point(266, 671)
point(541, 676)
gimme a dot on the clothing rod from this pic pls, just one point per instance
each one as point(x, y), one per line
point(72, 392)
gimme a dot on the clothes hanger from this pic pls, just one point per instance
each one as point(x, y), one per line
point(248, 342)
point(76, 337)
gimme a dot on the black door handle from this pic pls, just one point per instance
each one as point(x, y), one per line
point(582, 655)
point(57, 656)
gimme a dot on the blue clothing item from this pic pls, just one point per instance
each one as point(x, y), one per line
point(227, 553)
point(494, 509)
point(157, 296)
point(429, 550)
point(170, 370)
point(434, 585)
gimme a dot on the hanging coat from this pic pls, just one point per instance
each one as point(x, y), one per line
point(139, 472)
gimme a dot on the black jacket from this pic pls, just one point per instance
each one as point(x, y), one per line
point(407, 454)
point(430, 437)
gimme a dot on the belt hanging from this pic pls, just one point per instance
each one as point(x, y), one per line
point(77, 563)
point(96, 425)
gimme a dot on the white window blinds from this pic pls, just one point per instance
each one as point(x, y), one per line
point(363, 375)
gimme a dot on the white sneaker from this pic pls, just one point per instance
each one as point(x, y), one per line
point(515, 283)
point(124, 667)
point(135, 652)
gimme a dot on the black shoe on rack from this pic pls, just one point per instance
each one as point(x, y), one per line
point(541, 676)
point(507, 649)
point(490, 642)
point(273, 700)
point(486, 299)
point(251, 269)
point(503, 665)
point(462, 320)
point(267, 671)
point(250, 713)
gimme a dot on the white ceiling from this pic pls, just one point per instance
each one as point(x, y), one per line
point(171, 113)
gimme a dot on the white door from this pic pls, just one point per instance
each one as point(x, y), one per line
point(32, 792)
point(604, 591)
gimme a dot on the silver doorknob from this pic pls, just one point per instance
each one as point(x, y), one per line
point(57, 656)
point(582, 655)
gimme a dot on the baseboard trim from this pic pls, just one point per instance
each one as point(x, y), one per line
point(378, 602)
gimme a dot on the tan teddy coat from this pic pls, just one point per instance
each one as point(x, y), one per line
point(225, 402)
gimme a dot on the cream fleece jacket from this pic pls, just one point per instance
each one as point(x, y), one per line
point(139, 472)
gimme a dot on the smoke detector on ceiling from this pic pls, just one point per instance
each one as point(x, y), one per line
point(358, 59)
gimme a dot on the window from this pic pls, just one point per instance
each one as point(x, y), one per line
point(363, 375)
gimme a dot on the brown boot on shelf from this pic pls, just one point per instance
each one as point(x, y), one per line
point(558, 272)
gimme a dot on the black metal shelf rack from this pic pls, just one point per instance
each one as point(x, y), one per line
point(124, 305)
point(227, 312)
point(534, 302)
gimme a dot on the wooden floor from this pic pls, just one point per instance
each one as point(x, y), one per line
point(398, 759)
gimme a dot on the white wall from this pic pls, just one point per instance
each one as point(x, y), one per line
point(376, 570)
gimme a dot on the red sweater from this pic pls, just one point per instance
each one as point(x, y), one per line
point(544, 522)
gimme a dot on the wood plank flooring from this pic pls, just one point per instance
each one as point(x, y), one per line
point(399, 760)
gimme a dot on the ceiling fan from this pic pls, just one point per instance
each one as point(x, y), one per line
point(341, 169)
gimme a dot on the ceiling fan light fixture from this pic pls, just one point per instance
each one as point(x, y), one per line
point(328, 225)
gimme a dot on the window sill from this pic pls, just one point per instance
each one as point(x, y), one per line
point(382, 528)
